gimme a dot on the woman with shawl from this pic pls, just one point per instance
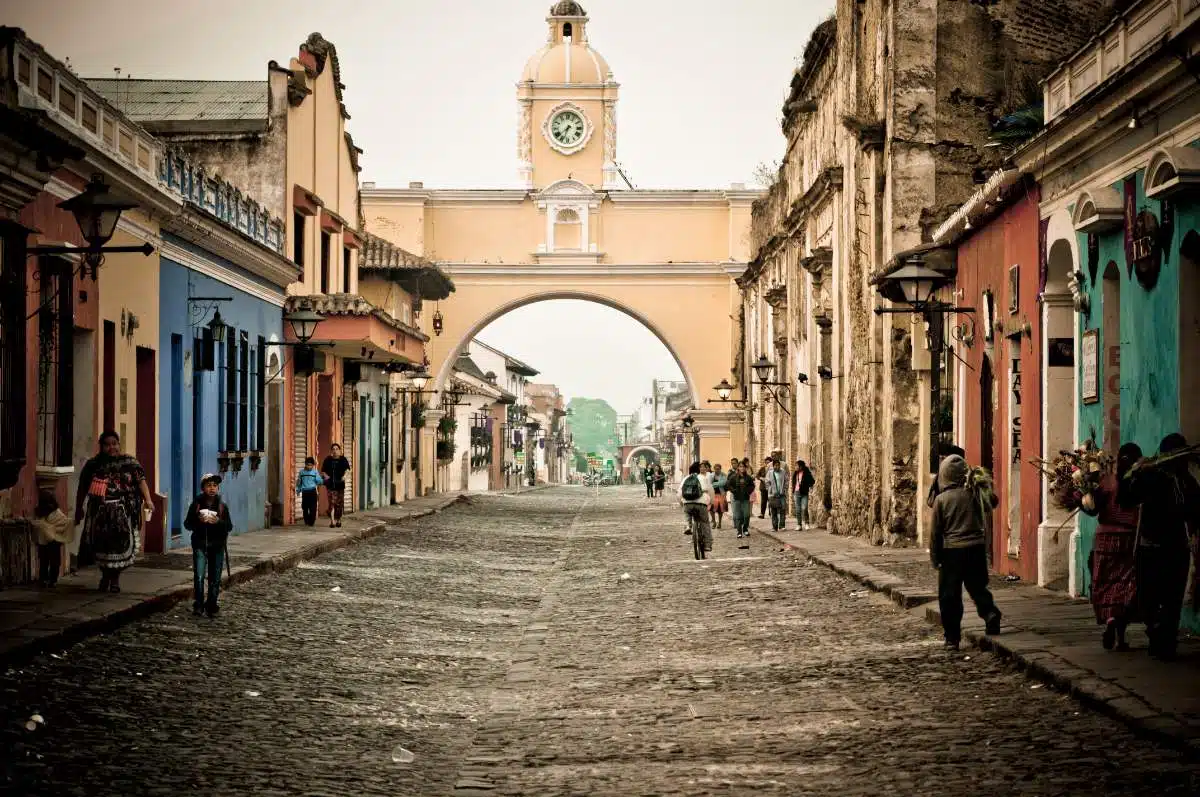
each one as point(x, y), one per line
point(112, 493)
point(1113, 561)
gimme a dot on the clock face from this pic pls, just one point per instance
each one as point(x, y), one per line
point(567, 128)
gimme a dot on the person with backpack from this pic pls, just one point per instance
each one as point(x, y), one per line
point(695, 494)
point(802, 483)
point(208, 521)
point(958, 549)
point(741, 488)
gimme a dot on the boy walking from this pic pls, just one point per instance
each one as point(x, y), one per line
point(53, 530)
point(307, 482)
point(958, 550)
point(208, 521)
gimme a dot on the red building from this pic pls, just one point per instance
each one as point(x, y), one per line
point(998, 416)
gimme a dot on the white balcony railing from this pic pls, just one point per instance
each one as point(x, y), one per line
point(1119, 44)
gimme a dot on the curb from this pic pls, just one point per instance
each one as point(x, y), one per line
point(1026, 650)
point(55, 640)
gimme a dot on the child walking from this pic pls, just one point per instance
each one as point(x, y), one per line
point(958, 548)
point(208, 521)
point(307, 482)
point(53, 530)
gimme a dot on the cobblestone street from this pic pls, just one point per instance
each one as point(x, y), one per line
point(554, 643)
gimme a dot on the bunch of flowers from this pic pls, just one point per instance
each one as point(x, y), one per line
point(1075, 475)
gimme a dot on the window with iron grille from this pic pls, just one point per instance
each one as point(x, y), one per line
point(231, 408)
point(260, 396)
point(12, 355)
point(55, 323)
point(244, 395)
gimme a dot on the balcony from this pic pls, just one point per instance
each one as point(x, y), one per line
point(360, 331)
point(1128, 38)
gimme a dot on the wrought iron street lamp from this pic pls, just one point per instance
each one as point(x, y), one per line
point(303, 322)
point(917, 285)
point(217, 327)
point(97, 211)
point(438, 320)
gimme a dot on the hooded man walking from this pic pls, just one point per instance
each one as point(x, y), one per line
point(959, 550)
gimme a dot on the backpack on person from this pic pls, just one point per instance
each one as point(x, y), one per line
point(691, 489)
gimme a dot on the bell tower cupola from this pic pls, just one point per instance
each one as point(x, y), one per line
point(567, 100)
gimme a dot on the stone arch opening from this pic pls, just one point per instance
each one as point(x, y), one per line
point(654, 455)
point(484, 320)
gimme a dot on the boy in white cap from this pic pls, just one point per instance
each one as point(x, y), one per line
point(208, 521)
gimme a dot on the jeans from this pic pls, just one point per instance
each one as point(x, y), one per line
point(1161, 580)
point(762, 499)
point(207, 561)
point(778, 512)
point(308, 503)
point(698, 513)
point(963, 567)
point(741, 514)
point(337, 497)
point(800, 508)
point(49, 562)
point(650, 489)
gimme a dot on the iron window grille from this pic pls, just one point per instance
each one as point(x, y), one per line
point(12, 355)
point(244, 394)
point(56, 324)
point(231, 409)
point(260, 396)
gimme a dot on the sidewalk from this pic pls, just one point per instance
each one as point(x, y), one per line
point(35, 620)
point(1049, 635)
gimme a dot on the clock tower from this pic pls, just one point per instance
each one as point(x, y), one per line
point(568, 108)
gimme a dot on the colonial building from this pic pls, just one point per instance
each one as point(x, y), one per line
point(573, 227)
point(1114, 332)
point(283, 141)
point(885, 124)
point(80, 343)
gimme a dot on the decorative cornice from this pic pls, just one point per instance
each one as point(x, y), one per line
point(667, 270)
point(776, 296)
point(189, 258)
point(351, 304)
point(819, 261)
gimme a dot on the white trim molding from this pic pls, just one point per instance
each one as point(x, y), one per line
point(1098, 210)
point(210, 268)
point(1172, 170)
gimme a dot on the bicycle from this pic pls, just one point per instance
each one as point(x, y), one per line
point(697, 541)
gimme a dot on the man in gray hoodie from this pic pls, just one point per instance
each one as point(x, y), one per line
point(958, 549)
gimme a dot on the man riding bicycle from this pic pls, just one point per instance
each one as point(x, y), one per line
point(695, 494)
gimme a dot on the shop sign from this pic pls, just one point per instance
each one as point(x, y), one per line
point(1090, 366)
point(1147, 250)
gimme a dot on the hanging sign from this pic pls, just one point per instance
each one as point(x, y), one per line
point(1147, 249)
point(1090, 366)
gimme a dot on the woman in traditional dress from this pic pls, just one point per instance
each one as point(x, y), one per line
point(1114, 552)
point(112, 493)
point(660, 480)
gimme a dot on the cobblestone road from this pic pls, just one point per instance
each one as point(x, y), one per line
point(503, 646)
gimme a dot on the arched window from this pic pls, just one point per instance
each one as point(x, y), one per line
point(566, 30)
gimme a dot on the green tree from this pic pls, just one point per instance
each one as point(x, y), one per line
point(591, 423)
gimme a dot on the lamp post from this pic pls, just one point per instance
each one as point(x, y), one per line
point(97, 210)
point(915, 284)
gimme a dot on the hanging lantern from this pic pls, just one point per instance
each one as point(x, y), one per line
point(437, 322)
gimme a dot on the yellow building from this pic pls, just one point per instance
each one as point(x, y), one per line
point(574, 229)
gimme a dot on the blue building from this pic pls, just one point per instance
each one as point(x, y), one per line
point(222, 286)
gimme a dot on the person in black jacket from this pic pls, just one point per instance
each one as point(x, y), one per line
point(333, 471)
point(208, 521)
point(1170, 512)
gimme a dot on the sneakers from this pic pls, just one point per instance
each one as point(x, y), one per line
point(950, 645)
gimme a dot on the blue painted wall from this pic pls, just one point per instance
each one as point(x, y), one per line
point(191, 422)
point(1150, 332)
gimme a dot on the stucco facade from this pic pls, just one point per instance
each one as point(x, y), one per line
point(885, 126)
point(574, 229)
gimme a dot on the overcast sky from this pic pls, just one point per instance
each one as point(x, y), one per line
point(430, 88)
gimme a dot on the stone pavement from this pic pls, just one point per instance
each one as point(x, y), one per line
point(35, 620)
point(1049, 634)
point(558, 643)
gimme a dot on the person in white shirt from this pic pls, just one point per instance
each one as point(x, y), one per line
point(695, 494)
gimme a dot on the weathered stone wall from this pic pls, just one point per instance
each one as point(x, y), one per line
point(898, 99)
